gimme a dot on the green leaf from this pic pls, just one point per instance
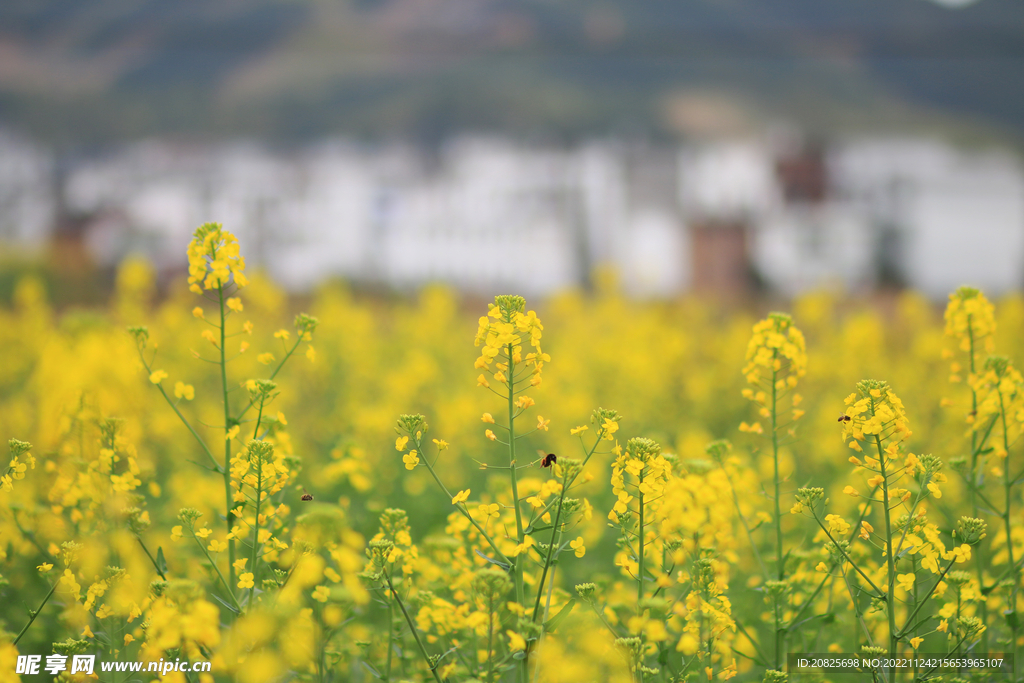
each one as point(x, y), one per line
point(161, 563)
point(492, 561)
point(551, 624)
point(374, 672)
point(225, 603)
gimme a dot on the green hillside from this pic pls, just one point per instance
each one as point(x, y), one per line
point(87, 71)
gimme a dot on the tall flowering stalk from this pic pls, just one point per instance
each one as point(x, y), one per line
point(775, 360)
point(999, 393)
point(915, 560)
point(970, 319)
point(876, 416)
point(675, 526)
point(639, 476)
point(500, 338)
point(216, 271)
point(526, 530)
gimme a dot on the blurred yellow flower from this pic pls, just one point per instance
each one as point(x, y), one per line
point(515, 641)
point(185, 391)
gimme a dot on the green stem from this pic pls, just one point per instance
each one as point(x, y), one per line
point(273, 374)
point(184, 421)
point(30, 535)
point(857, 611)
point(979, 564)
point(35, 614)
point(256, 532)
point(779, 560)
point(490, 638)
point(743, 520)
point(391, 643)
point(1008, 488)
point(807, 603)
point(412, 627)
point(640, 569)
point(547, 609)
point(259, 418)
point(259, 495)
point(462, 508)
point(227, 586)
point(551, 547)
point(757, 648)
point(151, 559)
point(640, 547)
point(910, 620)
point(878, 591)
point(890, 604)
point(523, 667)
point(229, 515)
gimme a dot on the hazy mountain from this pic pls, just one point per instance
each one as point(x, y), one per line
point(77, 71)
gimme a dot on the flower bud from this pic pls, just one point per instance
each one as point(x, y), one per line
point(970, 530)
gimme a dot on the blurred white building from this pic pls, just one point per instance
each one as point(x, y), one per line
point(487, 214)
point(943, 217)
point(27, 192)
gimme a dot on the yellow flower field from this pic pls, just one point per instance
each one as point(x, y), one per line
point(435, 488)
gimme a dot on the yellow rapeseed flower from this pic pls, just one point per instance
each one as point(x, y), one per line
point(776, 349)
point(411, 459)
point(970, 318)
point(214, 259)
point(515, 641)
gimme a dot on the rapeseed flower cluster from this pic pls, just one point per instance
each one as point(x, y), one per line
point(215, 260)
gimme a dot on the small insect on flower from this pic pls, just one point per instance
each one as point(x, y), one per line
point(306, 495)
point(843, 417)
point(548, 459)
